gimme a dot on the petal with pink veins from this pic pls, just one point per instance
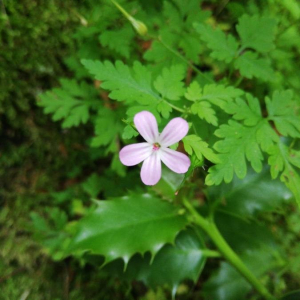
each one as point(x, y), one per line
point(135, 153)
point(151, 169)
point(175, 130)
point(175, 161)
point(146, 125)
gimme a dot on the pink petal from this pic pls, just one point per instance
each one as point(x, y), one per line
point(175, 130)
point(146, 125)
point(174, 160)
point(135, 153)
point(151, 169)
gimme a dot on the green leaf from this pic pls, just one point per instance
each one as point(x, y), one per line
point(228, 283)
point(238, 145)
point(193, 92)
point(129, 132)
point(224, 48)
point(107, 128)
point(250, 195)
point(121, 227)
point(205, 112)
point(282, 162)
point(92, 185)
point(250, 66)
point(191, 46)
point(194, 144)
point(266, 136)
point(249, 111)
point(117, 166)
point(251, 236)
point(169, 183)
point(169, 84)
point(71, 103)
point(124, 84)
point(220, 94)
point(257, 32)
point(201, 108)
point(118, 40)
point(283, 110)
point(295, 295)
point(173, 264)
point(164, 108)
point(216, 94)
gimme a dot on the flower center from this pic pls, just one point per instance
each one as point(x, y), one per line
point(156, 146)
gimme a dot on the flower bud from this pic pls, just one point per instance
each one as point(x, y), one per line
point(139, 26)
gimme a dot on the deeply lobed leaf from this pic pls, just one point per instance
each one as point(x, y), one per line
point(251, 66)
point(257, 32)
point(224, 48)
point(70, 103)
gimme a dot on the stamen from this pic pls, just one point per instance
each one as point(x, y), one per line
point(156, 146)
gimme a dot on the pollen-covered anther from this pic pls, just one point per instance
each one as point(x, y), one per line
point(156, 146)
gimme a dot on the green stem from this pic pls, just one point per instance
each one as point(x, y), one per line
point(212, 230)
point(240, 50)
point(211, 253)
point(122, 10)
point(183, 59)
point(238, 82)
point(176, 107)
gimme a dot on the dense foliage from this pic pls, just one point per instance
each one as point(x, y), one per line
point(225, 230)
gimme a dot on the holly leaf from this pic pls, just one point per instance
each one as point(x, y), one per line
point(244, 197)
point(228, 283)
point(257, 32)
point(194, 144)
point(251, 66)
point(169, 84)
point(121, 227)
point(295, 295)
point(224, 48)
point(173, 264)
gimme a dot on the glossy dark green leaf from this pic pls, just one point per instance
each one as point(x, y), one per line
point(227, 283)
point(171, 265)
point(255, 193)
point(169, 183)
point(292, 296)
point(121, 227)
point(244, 235)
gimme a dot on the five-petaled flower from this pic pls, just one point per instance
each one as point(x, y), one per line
point(155, 149)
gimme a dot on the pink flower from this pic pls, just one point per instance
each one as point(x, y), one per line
point(155, 149)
